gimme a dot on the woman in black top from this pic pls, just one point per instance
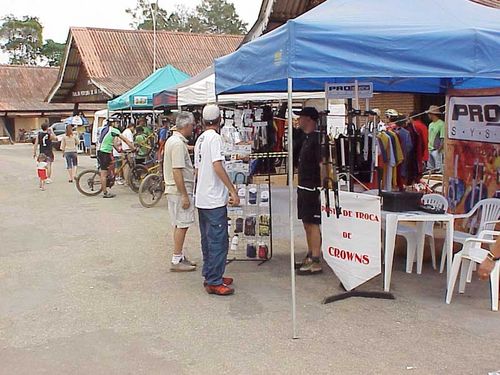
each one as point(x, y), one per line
point(43, 141)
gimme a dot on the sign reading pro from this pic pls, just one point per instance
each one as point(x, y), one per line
point(474, 118)
point(352, 243)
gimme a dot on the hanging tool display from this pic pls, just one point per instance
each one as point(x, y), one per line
point(329, 177)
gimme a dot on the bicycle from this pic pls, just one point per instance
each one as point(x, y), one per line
point(88, 181)
point(152, 188)
point(431, 182)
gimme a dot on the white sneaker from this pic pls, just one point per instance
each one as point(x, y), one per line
point(119, 182)
point(48, 181)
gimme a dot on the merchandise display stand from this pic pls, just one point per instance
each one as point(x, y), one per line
point(353, 113)
point(251, 222)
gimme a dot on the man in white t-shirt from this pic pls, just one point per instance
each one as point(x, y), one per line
point(178, 173)
point(129, 135)
point(212, 189)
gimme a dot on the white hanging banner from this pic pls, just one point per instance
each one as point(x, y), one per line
point(352, 243)
point(348, 90)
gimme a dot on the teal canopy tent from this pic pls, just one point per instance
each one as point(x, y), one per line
point(141, 96)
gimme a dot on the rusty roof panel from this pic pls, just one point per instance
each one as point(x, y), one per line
point(24, 89)
point(119, 59)
point(489, 3)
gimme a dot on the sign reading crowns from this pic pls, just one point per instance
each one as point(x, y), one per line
point(348, 90)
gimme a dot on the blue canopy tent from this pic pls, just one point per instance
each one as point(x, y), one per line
point(141, 96)
point(422, 46)
point(425, 46)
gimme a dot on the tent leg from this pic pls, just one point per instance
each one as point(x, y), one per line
point(290, 207)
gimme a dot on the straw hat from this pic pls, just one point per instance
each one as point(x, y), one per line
point(434, 110)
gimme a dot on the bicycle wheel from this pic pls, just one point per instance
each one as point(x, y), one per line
point(151, 190)
point(136, 176)
point(88, 182)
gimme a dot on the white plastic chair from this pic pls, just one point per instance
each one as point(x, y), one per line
point(410, 233)
point(490, 214)
point(473, 253)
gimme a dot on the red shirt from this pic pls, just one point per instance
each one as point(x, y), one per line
point(423, 133)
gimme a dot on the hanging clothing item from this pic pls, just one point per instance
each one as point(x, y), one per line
point(280, 129)
point(398, 155)
point(415, 164)
point(407, 148)
point(388, 160)
point(423, 134)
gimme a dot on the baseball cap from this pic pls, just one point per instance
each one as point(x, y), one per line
point(211, 113)
point(309, 112)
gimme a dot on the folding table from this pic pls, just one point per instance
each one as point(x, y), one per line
point(419, 217)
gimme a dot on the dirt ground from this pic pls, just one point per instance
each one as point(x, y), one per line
point(85, 289)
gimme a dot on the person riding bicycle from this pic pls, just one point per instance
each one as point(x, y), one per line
point(104, 155)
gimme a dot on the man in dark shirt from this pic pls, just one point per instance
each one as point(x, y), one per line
point(308, 193)
point(43, 142)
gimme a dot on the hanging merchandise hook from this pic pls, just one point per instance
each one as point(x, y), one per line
point(328, 165)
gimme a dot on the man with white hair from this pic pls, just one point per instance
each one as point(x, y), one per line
point(178, 173)
point(212, 187)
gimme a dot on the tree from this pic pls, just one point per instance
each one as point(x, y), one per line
point(142, 17)
point(52, 52)
point(22, 39)
point(220, 17)
point(211, 16)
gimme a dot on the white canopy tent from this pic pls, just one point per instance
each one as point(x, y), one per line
point(200, 90)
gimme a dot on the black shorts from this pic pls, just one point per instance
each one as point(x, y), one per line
point(49, 154)
point(104, 160)
point(309, 206)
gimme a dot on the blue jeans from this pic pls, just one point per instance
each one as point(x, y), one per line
point(71, 159)
point(214, 243)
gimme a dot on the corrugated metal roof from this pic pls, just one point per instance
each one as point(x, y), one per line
point(489, 3)
point(24, 89)
point(116, 60)
point(274, 13)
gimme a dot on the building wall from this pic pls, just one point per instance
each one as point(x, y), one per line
point(403, 103)
point(27, 123)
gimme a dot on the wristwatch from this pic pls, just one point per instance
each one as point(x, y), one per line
point(491, 257)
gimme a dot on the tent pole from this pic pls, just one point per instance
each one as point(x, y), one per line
point(290, 207)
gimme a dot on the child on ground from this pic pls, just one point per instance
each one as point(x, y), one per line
point(42, 167)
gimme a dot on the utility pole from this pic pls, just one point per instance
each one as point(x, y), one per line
point(153, 16)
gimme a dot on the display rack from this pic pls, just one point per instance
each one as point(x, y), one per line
point(252, 220)
point(353, 119)
point(250, 225)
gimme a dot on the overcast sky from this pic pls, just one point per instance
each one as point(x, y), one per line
point(57, 16)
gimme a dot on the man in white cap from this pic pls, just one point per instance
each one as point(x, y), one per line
point(212, 188)
point(436, 138)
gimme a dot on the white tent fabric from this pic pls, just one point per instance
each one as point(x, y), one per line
point(200, 90)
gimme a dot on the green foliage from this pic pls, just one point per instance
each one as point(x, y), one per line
point(220, 17)
point(53, 52)
point(22, 39)
point(211, 16)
